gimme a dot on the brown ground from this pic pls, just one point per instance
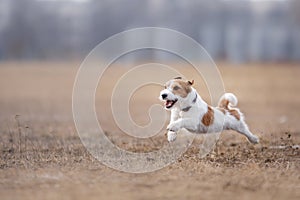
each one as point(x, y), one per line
point(42, 157)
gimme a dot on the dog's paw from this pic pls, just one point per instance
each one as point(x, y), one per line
point(254, 139)
point(171, 136)
point(173, 127)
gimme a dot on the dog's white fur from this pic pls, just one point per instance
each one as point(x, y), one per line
point(189, 109)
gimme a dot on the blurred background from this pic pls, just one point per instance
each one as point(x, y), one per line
point(237, 31)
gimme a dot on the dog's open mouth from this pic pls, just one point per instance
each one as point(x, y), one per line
point(170, 103)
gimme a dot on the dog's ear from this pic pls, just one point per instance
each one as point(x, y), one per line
point(191, 82)
point(178, 77)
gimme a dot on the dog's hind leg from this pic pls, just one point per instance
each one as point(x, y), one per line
point(236, 119)
point(242, 128)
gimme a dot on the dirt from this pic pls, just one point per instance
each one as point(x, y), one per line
point(42, 156)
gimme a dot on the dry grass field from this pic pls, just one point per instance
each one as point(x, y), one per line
point(41, 155)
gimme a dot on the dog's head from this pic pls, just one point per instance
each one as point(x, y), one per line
point(175, 89)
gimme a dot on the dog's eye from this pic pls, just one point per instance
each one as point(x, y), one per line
point(176, 88)
point(165, 87)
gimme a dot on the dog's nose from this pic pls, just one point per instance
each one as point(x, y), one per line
point(164, 96)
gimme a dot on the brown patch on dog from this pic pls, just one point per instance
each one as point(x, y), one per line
point(235, 113)
point(184, 88)
point(208, 117)
point(224, 104)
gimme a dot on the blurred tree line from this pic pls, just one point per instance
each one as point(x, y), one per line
point(239, 31)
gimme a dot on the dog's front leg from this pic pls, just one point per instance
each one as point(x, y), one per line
point(187, 123)
point(174, 116)
point(171, 135)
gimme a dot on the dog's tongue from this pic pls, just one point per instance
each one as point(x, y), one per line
point(168, 103)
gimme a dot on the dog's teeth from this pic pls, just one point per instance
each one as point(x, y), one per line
point(169, 103)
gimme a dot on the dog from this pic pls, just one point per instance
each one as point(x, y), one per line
point(189, 111)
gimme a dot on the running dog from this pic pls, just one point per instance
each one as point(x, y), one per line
point(189, 111)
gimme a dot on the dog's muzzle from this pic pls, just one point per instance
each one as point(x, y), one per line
point(164, 96)
point(170, 103)
point(168, 98)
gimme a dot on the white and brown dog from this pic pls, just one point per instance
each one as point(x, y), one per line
point(189, 111)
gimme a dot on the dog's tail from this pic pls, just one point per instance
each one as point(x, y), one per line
point(227, 101)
